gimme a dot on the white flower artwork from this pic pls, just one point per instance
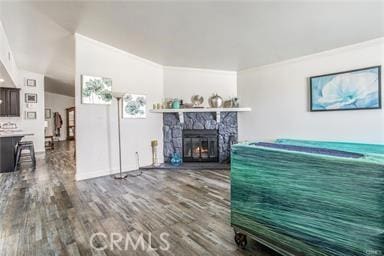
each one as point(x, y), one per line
point(357, 89)
point(96, 90)
point(134, 106)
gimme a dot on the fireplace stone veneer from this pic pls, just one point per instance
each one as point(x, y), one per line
point(227, 131)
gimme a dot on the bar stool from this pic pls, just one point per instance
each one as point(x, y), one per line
point(25, 145)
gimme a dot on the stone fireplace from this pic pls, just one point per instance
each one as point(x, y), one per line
point(200, 138)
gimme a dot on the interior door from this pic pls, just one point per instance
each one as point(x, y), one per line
point(71, 124)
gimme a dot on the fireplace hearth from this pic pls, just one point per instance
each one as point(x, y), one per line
point(200, 146)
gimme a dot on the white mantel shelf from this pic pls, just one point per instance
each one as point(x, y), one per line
point(181, 111)
point(184, 110)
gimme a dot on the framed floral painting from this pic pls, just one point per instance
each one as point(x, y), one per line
point(134, 106)
point(348, 90)
point(96, 90)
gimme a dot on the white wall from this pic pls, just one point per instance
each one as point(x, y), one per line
point(185, 82)
point(279, 97)
point(96, 125)
point(58, 103)
point(35, 126)
point(18, 78)
point(6, 56)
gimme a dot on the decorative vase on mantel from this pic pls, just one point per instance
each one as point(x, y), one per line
point(215, 101)
point(176, 104)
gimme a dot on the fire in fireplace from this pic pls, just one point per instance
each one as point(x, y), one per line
point(200, 146)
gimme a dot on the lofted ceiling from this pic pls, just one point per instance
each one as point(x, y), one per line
point(213, 35)
point(5, 79)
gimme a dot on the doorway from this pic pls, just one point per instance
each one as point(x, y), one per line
point(71, 125)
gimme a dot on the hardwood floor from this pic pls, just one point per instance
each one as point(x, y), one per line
point(45, 212)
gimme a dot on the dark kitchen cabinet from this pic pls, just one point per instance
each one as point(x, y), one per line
point(10, 101)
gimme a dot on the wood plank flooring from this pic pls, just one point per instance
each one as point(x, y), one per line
point(45, 212)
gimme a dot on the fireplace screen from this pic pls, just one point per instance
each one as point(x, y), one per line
point(200, 146)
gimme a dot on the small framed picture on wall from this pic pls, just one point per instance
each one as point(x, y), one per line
point(134, 106)
point(30, 98)
point(30, 115)
point(48, 113)
point(31, 82)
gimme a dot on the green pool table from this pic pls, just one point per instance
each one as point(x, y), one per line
point(307, 202)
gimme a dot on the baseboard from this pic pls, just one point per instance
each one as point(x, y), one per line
point(40, 154)
point(101, 173)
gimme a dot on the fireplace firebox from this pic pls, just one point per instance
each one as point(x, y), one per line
point(200, 146)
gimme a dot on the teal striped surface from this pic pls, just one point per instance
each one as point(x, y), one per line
point(345, 146)
point(309, 204)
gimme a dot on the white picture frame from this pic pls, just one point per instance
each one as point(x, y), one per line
point(134, 106)
point(30, 82)
point(96, 90)
point(30, 115)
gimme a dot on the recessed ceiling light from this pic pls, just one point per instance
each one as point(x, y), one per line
point(2, 80)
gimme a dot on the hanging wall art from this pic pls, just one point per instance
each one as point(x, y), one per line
point(96, 90)
point(134, 106)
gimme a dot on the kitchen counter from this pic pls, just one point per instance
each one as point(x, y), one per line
point(8, 143)
point(14, 133)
